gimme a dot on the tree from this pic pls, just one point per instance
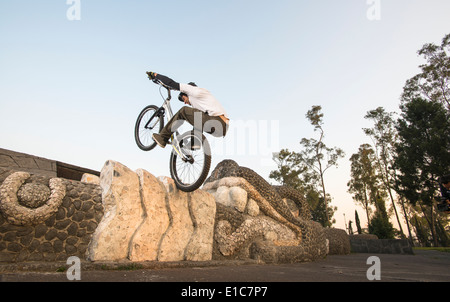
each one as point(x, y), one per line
point(305, 170)
point(317, 156)
point(420, 230)
point(429, 227)
point(424, 131)
point(383, 135)
point(289, 169)
point(423, 149)
point(358, 223)
point(423, 154)
point(291, 172)
point(432, 84)
point(364, 182)
point(380, 225)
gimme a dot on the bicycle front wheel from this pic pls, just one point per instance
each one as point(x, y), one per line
point(190, 169)
point(147, 123)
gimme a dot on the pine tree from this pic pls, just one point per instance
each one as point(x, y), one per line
point(358, 223)
point(380, 225)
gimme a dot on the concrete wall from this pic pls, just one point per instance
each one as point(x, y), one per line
point(15, 161)
point(11, 161)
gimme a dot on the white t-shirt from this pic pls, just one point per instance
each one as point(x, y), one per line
point(203, 100)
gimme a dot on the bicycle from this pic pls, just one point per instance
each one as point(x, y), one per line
point(190, 159)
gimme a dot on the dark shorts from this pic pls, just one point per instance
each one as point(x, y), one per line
point(201, 121)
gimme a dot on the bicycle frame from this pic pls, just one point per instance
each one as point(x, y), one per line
point(165, 107)
point(161, 113)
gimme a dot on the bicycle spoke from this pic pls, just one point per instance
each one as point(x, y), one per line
point(146, 133)
point(188, 173)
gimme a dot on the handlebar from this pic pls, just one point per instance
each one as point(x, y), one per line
point(158, 82)
point(161, 84)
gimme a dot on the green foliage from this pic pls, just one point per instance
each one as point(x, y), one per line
point(384, 136)
point(432, 84)
point(358, 223)
point(409, 153)
point(293, 173)
point(419, 224)
point(305, 170)
point(290, 170)
point(380, 225)
point(423, 149)
point(365, 182)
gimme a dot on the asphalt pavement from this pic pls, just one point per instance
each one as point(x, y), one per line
point(423, 266)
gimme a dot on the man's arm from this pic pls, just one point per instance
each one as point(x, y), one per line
point(165, 80)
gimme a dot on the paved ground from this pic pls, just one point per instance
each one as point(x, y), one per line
point(424, 266)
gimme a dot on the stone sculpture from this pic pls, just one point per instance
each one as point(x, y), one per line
point(133, 215)
point(278, 226)
point(147, 219)
point(30, 203)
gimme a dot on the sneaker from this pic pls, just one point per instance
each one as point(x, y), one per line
point(159, 140)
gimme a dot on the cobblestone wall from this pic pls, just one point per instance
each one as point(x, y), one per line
point(67, 232)
point(380, 246)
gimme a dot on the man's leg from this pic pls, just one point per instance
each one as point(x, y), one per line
point(215, 126)
point(196, 118)
point(185, 114)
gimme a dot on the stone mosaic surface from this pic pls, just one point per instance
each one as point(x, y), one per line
point(133, 215)
point(46, 219)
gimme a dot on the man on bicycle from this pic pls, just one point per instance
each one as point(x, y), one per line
point(206, 112)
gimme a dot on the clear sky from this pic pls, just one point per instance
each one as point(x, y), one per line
point(70, 90)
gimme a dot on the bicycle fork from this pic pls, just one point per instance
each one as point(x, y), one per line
point(176, 146)
point(158, 113)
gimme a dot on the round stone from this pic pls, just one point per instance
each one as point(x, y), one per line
point(32, 195)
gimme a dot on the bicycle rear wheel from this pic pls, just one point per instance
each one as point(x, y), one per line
point(147, 123)
point(189, 174)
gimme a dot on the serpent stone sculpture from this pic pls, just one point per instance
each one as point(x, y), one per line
point(311, 241)
point(31, 203)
